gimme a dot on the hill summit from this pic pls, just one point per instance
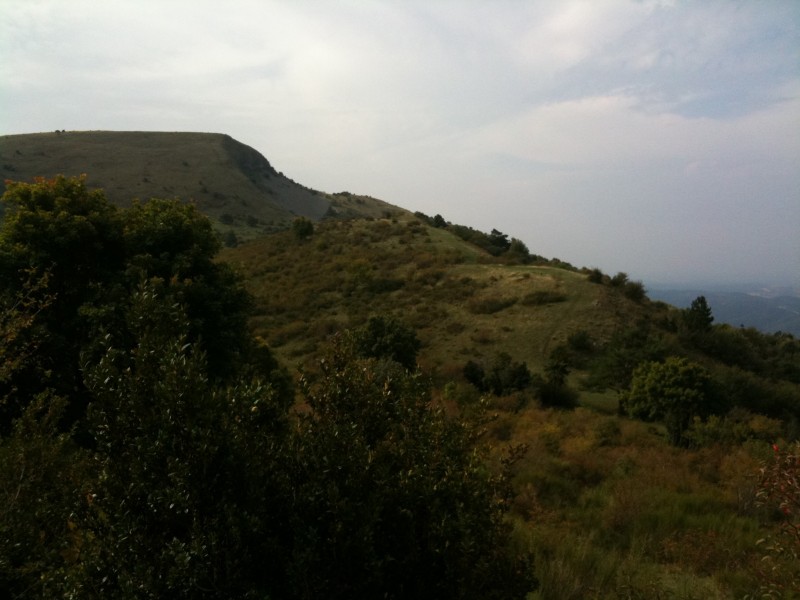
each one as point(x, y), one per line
point(230, 182)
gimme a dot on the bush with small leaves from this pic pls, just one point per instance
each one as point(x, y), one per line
point(596, 276)
point(619, 280)
point(634, 290)
point(388, 338)
point(779, 489)
point(303, 228)
point(675, 392)
point(395, 497)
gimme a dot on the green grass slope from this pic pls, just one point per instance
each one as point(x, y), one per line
point(228, 181)
point(463, 303)
point(606, 505)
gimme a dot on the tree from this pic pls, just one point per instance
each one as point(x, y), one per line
point(619, 280)
point(596, 276)
point(675, 392)
point(698, 317)
point(506, 375)
point(42, 478)
point(503, 375)
point(174, 243)
point(61, 228)
point(95, 256)
point(18, 313)
point(553, 390)
point(303, 228)
point(230, 239)
point(181, 494)
point(518, 251)
point(498, 242)
point(395, 496)
point(634, 290)
point(617, 359)
point(386, 337)
point(185, 466)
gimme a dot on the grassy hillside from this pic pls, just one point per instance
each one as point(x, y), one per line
point(462, 302)
point(608, 507)
point(230, 182)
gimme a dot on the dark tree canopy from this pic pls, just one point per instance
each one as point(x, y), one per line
point(389, 338)
point(674, 392)
point(94, 255)
point(502, 376)
point(303, 228)
point(186, 474)
point(195, 490)
point(698, 317)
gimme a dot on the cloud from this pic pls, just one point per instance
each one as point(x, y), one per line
point(632, 135)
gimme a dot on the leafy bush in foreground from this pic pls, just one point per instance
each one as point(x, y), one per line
point(185, 484)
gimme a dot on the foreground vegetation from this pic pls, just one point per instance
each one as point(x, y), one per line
point(459, 418)
point(138, 458)
point(647, 485)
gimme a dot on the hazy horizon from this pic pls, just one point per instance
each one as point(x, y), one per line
point(657, 138)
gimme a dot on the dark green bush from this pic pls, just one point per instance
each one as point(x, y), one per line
point(386, 337)
point(487, 305)
point(502, 376)
point(540, 297)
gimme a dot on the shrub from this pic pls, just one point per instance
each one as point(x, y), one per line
point(619, 280)
point(540, 297)
point(596, 276)
point(634, 290)
point(488, 305)
point(303, 228)
point(475, 374)
point(580, 341)
point(230, 240)
point(735, 428)
point(779, 488)
point(386, 337)
point(556, 395)
point(394, 496)
point(674, 391)
point(503, 376)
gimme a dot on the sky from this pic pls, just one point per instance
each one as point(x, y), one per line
point(657, 138)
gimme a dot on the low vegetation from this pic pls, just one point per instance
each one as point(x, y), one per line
point(387, 407)
point(137, 459)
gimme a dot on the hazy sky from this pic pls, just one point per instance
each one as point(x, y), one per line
point(657, 138)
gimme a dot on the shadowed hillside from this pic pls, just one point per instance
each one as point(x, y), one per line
point(228, 181)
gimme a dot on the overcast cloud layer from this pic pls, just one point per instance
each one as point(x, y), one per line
point(657, 138)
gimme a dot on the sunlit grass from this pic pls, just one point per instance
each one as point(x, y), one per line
point(606, 505)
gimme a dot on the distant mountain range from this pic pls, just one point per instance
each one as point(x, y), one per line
point(768, 309)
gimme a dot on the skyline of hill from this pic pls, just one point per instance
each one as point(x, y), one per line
point(246, 197)
point(233, 184)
